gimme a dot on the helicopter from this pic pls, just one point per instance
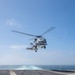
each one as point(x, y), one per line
point(39, 40)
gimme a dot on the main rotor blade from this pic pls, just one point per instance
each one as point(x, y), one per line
point(24, 33)
point(50, 29)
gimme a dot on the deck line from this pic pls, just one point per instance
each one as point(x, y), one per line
point(12, 72)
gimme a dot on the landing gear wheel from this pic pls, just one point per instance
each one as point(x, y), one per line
point(44, 47)
point(35, 50)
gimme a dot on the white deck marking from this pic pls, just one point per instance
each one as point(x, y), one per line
point(71, 74)
point(12, 72)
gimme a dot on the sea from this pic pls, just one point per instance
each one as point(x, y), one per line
point(37, 67)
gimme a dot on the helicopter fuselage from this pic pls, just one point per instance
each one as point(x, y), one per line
point(40, 41)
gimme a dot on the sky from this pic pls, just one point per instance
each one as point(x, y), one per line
point(35, 17)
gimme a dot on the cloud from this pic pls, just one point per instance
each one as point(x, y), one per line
point(33, 58)
point(18, 55)
point(18, 47)
point(11, 22)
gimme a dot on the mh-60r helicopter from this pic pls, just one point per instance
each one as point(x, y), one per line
point(39, 41)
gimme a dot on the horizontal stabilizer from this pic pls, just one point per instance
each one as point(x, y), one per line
point(29, 48)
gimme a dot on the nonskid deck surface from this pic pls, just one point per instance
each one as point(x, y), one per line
point(4, 72)
point(34, 72)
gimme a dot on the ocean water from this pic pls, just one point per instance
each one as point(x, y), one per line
point(37, 67)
